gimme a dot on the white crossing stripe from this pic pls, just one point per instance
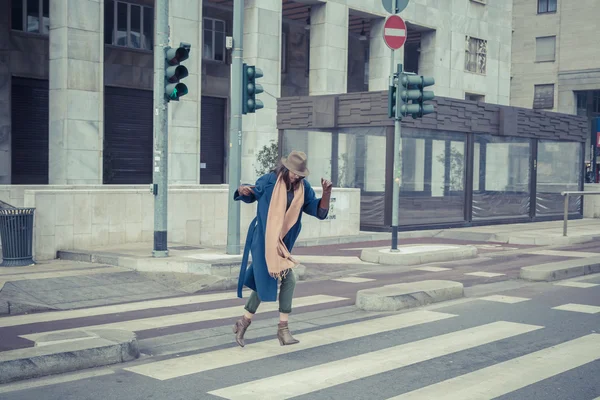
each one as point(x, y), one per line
point(504, 299)
point(164, 321)
point(580, 285)
point(582, 308)
point(484, 274)
point(432, 269)
point(176, 367)
point(353, 279)
point(395, 32)
point(308, 380)
point(500, 379)
point(114, 309)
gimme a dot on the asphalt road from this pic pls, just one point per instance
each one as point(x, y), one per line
point(534, 341)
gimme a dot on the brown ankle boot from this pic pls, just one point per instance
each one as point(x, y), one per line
point(240, 329)
point(284, 335)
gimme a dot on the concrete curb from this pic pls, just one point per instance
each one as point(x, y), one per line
point(226, 267)
point(220, 271)
point(66, 352)
point(12, 307)
point(381, 255)
point(561, 270)
point(408, 295)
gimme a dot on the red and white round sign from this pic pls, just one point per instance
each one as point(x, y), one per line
point(394, 32)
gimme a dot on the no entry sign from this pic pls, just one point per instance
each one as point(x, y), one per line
point(394, 32)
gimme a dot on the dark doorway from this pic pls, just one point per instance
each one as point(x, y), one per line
point(412, 51)
point(29, 140)
point(212, 140)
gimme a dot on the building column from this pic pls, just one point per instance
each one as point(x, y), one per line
point(328, 49)
point(380, 56)
point(185, 21)
point(76, 91)
point(262, 48)
point(5, 117)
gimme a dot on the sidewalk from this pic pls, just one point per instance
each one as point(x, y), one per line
point(126, 273)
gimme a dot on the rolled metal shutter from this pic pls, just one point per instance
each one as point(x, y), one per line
point(128, 136)
point(29, 131)
point(212, 140)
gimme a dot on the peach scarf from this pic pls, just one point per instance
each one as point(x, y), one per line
point(279, 222)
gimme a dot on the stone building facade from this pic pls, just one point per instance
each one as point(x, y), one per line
point(556, 57)
point(76, 76)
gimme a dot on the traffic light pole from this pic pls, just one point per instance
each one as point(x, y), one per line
point(235, 131)
point(397, 174)
point(160, 174)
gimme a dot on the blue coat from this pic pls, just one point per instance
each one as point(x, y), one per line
point(257, 277)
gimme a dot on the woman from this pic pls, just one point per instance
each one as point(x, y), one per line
point(282, 195)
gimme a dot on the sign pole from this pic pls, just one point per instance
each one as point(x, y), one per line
point(235, 129)
point(396, 175)
point(160, 175)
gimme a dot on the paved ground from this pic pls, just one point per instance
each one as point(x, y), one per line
point(62, 285)
point(507, 340)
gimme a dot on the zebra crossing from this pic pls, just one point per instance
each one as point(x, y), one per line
point(492, 357)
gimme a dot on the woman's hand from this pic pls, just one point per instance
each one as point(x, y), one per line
point(327, 185)
point(245, 190)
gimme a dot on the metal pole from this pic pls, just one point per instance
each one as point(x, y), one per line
point(235, 132)
point(566, 216)
point(397, 169)
point(397, 146)
point(160, 174)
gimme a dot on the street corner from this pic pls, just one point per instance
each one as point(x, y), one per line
point(418, 254)
point(408, 295)
point(68, 351)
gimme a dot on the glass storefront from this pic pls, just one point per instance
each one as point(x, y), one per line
point(432, 188)
point(439, 182)
point(501, 177)
point(558, 170)
point(361, 155)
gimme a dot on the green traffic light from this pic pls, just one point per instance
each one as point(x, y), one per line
point(174, 72)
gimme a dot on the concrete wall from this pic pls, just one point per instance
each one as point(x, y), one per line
point(83, 218)
point(15, 194)
point(591, 203)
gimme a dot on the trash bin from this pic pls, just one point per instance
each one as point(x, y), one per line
point(16, 235)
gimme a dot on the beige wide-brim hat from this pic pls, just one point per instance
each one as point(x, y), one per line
point(296, 163)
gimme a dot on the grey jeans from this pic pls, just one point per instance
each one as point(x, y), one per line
point(286, 294)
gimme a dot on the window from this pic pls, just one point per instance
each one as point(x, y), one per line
point(475, 55)
point(501, 177)
point(543, 97)
point(367, 59)
point(283, 52)
point(128, 25)
point(558, 169)
point(214, 40)
point(546, 6)
point(545, 48)
point(596, 101)
point(474, 97)
point(27, 14)
point(582, 103)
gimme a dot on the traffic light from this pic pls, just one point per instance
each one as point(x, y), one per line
point(250, 89)
point(392, 100)
point(174, 72)
point(411, 90)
